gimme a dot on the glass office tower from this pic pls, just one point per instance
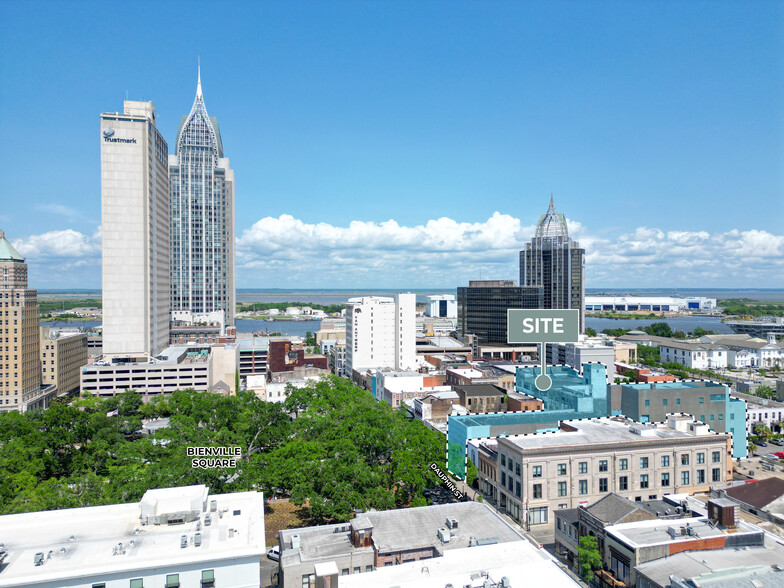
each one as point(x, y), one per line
point(202, 222)
point(555, 262)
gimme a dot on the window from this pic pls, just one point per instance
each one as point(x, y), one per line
point(712, 417)
point(702, 418)
point(137, 583)
point(368, 568)
point(208, 578)
point(702, 400)
point(647, 403)
point(716, 397)
point(643, 463)
point(684, 478)
point(356, 570)
point(172, 581)
point(503, 460)
point(503, 479)
point(684, 459)
point(602, 484)
point(721, 416)
point(665, 479)
point(101, 585)
point(536, 472)
point(509, 464)
point(716, 473)
point(603, 465)
point(582, 467)
point(677, 402)
point(583, 486)
point(716, 456)
point(517, 489)
point(517, 469)
point(561, 488)
point(623, 483)
point(700, 476)
point(537, 490)
point(344, 572)
point(561, 469)
point(700, 458)
point(665, 461)
point(645, 418)
point(537, 516)
point(664, 402)
point(623, 464)
point(644, 481)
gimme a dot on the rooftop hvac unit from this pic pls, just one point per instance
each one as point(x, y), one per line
point(295, 542)
point(197, 539)
point(505, 582)
point(183, 541)
point(488, 584)
point(207, 520)
point(38, 559)
point(444, 535)
point(213, 505)
point(231, 533)
point(451, 523)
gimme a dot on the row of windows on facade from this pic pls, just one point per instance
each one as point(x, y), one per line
point(537, 490)
point(603, 465)
point(172, 581)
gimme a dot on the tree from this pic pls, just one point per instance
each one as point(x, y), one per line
point(765, 391)
point(658, 329)
point(588, 557)
point(590, 332)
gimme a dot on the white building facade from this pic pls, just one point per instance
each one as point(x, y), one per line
point(173, 537)
point(701, 356)
point(381, 332)
point(134, 232)
point(649, 303)
point(442, 306)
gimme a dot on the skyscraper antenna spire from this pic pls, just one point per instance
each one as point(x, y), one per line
point(198, 83)
point(552, 203)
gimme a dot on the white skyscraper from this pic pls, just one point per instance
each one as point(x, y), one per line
point(134, 232)
point(381, 332)
point(202, 221)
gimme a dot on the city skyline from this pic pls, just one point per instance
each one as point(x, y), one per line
point(427, 162)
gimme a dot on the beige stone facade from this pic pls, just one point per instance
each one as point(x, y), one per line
point(62, 356)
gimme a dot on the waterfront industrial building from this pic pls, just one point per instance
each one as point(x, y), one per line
point(648, 303)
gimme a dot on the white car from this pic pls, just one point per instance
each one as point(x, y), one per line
point(274, 553)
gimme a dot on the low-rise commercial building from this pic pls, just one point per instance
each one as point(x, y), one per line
point(762, 411)
point(629, 545)
point(648, 303)
point(382, 539)
point(586, 459)
point(63, 353)
point(747, 351)
point(204, 369)
point(441, 306)
point(709, 402)
point(701, 356)
point(173, 537)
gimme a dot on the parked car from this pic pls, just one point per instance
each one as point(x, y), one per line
point(274, 553)
point(778, 442)
point(761, 444)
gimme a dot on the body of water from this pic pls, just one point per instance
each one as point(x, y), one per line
point(679, 323)
point(292, 328)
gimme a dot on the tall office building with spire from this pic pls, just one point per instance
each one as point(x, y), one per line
point(555, 262)
point(201, 185)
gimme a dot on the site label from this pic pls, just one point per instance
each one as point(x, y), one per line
point(542, 326)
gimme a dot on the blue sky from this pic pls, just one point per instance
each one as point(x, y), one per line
point(415, 144)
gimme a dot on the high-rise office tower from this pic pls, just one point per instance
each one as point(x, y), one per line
point(134, 232)
point(20, 360)
point(202, 221)
point(555, 262)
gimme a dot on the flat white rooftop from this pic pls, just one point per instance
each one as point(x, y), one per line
point(602, 430)
point(83, 541)
point(520, 562)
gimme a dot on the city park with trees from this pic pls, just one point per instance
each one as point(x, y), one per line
point(330, 448)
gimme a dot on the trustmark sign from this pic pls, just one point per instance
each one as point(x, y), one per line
point(108, 137)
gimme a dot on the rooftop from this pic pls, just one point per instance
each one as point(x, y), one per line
point(395, 530)
point(102, 540)
point(520, 563)
point(732, 564)
point(757, 493)
point(605, 430)
point(7, 251)
point(648, 533)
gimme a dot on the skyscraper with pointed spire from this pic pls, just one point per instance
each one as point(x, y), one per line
point(201, 186)
point(555, 262)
